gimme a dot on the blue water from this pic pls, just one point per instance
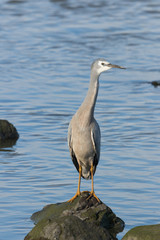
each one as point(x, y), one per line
point(46, 49)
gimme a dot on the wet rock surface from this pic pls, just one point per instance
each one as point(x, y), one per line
point(8, 134)
point(82, 219)
point(148, 232)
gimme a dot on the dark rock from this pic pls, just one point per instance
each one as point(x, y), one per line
point(83, 219)
point(8, 134)
point(155, 83)
point(148, 232)
point(7, 131)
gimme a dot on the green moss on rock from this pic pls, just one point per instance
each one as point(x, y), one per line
point(148, 232)
point(82, 219)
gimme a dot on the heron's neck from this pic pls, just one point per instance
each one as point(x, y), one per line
point(86, 110)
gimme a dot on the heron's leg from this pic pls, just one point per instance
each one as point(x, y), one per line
point(92, 193)
point(79, 183)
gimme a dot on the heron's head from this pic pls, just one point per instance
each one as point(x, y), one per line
point(101, 65)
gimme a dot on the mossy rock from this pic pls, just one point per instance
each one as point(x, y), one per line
point(148, 232)
point(83, 219)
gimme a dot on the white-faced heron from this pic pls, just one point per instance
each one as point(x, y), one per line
point(84, 133)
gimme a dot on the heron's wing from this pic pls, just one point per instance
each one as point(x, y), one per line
point(96, 139)
point(73, 156)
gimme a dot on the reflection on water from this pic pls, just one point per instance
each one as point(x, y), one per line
point(47, 48)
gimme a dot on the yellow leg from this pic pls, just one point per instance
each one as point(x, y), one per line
point(92, 193)
point(79, 183)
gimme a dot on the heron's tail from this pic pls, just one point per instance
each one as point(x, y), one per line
point(86, 173)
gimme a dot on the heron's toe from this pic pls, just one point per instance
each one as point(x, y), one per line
point(74, 197)
point(92, 194)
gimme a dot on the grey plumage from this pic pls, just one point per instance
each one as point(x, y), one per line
point(84, 133)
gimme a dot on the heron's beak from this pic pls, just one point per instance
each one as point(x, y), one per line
point(115, 66)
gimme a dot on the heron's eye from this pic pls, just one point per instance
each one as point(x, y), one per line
point(103, 64)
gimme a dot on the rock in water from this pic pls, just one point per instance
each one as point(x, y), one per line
point(83, 219)
point(8, 134)
point(155, 83)
point(148, 232)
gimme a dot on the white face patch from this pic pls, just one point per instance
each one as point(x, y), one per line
point(103, 66)
point(100, 63)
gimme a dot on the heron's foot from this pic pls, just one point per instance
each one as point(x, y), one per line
point(92, 194)
point(74, 197)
